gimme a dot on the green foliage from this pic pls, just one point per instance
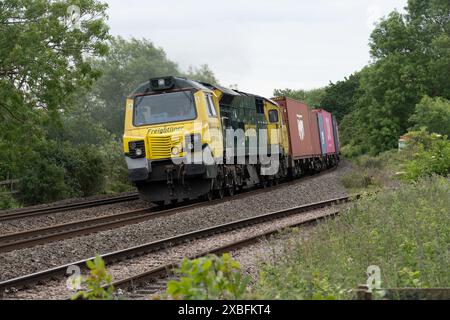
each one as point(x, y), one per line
point(312, 97)
point(42, 61)
point(209, 278)
point(340, 98)
point(41, 69)
point(52, 171)
point(85, 169)
point(98, 284)
point(7, 201)
point(358, 180)
point(202, 74)
point(432, 114)
point(43, 182)
point(368, 162)
point(405, 232)
point(370, 173)
point(411, 59)
point(431, 155)
point(409, 278)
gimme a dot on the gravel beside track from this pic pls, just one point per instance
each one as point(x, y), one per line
point(58, 290)
point(266, 251)
point(250, 258)
point(29, 260)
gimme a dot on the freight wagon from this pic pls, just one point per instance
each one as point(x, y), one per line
point(312, 137)
point(185, 139)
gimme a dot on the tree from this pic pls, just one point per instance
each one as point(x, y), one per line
point(312, 97)
point(43, 63)
point(42, 57)
point(432, 114)
point(340, 98)
point(202, 74)
point(411, 59)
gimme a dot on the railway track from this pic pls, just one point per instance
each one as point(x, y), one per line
point(26, 239)
point(158, 275)
point(67, 207)
point(31, 212)
point(129, 253)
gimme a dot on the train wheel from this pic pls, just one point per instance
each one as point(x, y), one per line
point(218, 185)
point(220, 193)
point(158, 203)
point(209, 196)
point(264, 183)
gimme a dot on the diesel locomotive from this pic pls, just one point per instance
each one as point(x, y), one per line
point(185, 140)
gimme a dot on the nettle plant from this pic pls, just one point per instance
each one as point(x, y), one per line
point(209, 278)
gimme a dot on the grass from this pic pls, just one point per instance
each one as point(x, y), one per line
point(425, 154)
point(373, 173)
point(405, 232)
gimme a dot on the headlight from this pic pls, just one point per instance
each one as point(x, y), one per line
point(136, 149)
point(175, 151)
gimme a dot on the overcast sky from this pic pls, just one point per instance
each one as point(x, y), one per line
point(258, 44)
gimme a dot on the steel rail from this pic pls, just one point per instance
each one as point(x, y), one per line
point(67, 207)
point(166, 270)
point(120, 255)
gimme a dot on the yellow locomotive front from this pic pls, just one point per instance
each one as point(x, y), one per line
point(173, 139)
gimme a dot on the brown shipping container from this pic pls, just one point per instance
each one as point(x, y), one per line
point(297, 116)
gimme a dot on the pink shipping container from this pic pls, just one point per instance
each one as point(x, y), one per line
point(302, 141)
point(329, 134)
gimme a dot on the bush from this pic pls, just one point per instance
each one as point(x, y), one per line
point(357, 180)
point(43, 182)
point(368, 162)
point(85, 169)
point(430, 155)
point(116, 177)
point(432, 114)
point(7, 201)
point(406, 233)
point(209, 278)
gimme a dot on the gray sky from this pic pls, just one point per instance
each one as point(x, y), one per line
point(258, 44)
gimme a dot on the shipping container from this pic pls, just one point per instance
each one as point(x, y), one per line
point(323, 140)
point(315, 137)
point(336, 135)
point(327, 123)
point(297, 117)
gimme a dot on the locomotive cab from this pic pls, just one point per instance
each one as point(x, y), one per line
point(173, 139)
